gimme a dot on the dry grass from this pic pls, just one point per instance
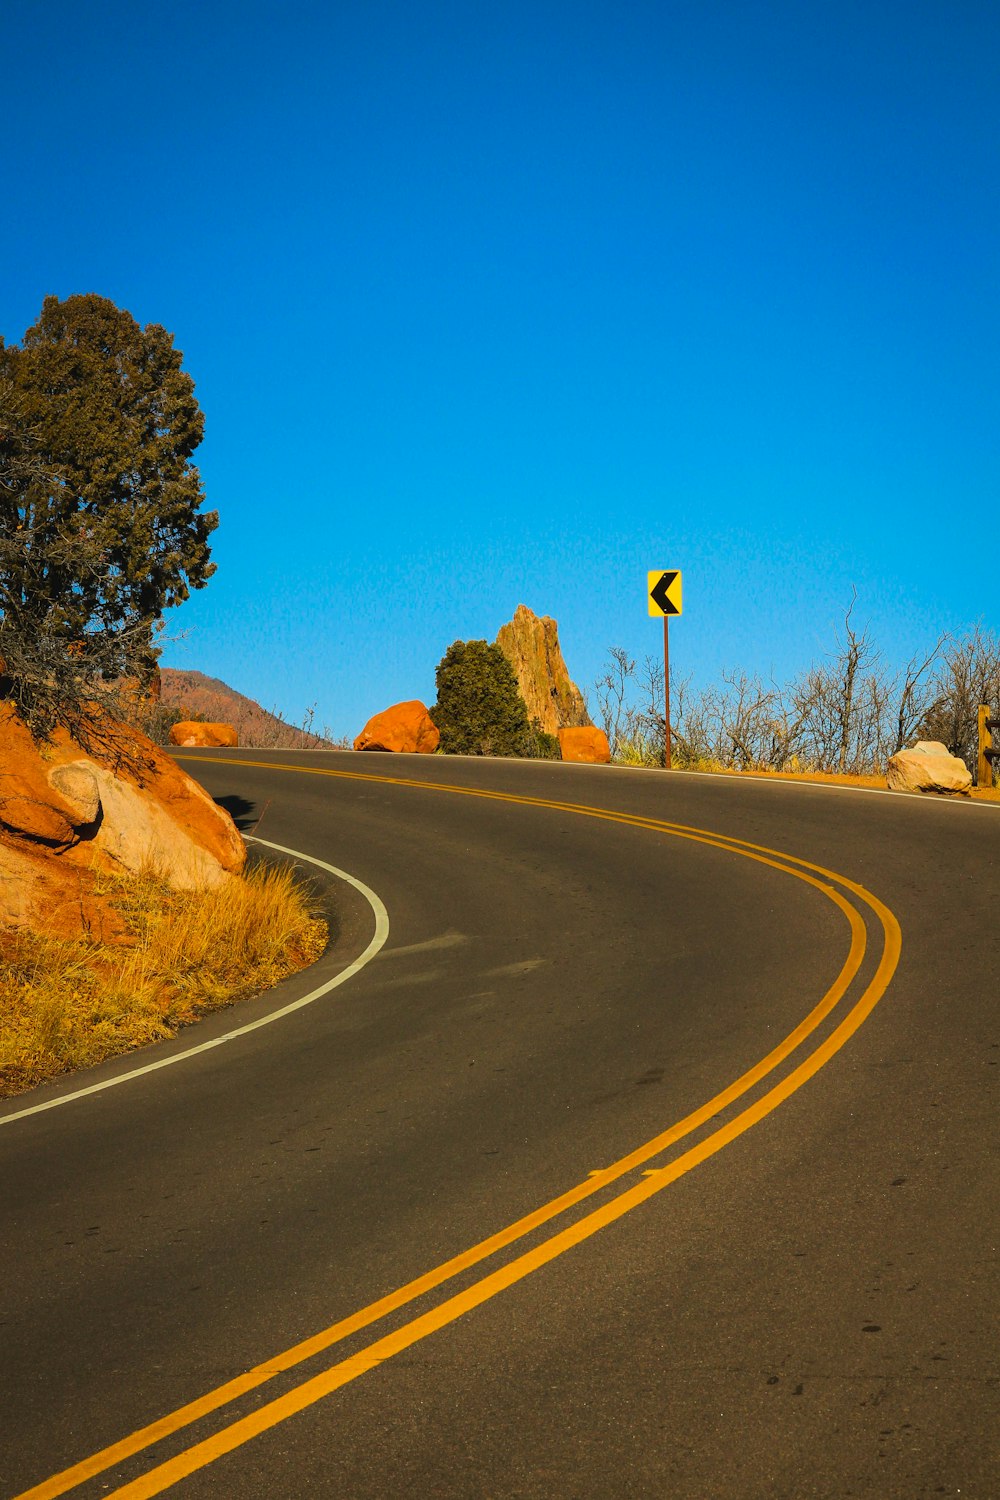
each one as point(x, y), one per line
point(66, 1005)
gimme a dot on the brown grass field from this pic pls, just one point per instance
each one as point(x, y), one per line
point(69, 1004)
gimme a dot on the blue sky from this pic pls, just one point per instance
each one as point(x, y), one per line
point(510, 303)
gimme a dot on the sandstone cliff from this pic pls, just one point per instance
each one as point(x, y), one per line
point(531, 645)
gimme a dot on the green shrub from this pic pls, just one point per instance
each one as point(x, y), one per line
point(479, 708)
point(542, 745)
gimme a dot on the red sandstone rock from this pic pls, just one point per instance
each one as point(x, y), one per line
point(403, 727)
point(51, 895)
point(29, 814)
point(195, 733)
point(68, 813)
point(585, 744)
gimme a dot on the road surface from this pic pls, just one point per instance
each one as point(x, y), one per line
point(652, 1154)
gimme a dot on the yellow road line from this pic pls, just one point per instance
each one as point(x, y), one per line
point(156, 1480)
point(340, 1374)
point(636, 820)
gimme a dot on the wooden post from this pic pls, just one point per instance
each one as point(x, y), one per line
point(984, 777)
point(666, 692)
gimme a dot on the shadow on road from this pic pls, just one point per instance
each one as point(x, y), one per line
point(242, 812)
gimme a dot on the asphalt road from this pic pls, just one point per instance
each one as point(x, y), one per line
point(792, 1294)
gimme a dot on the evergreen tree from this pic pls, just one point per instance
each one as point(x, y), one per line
point(479, 708)
point(100, 521)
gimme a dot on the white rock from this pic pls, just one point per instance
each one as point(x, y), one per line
point(138, 834)
point(77, 785)
point(928, 767)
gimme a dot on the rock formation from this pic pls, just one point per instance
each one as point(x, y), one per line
point(531, 645)
point(403, 727)
point(194, 732)
point(585, 744)
point(928, 767)
point(69, 814)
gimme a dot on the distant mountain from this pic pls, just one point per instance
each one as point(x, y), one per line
point(208, 698)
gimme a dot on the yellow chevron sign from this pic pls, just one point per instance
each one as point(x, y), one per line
point(664, 591)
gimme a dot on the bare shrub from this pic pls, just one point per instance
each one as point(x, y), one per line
point(633, 725)
point(842, 705)
point(845, 715)
point(612, 689)
point(757, 731)
point(270, 731)
point(968, 674)
point(914, 694)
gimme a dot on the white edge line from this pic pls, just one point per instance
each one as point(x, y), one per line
point(376, 944)
point(928, 799)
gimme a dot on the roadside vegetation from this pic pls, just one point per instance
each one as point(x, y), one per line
point(479, 708)
point(69, 1004)
point(102, 529)
point(101, 525)
point(842, 717)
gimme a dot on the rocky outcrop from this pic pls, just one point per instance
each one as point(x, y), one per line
point(585, 744)
point(193, 732)
point(69, 814)
point(531, 645)
point(929, 767)
point(403, 727)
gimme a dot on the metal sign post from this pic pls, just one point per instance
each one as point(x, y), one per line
point(663, 597)
point(988, 755)
point(666, 692)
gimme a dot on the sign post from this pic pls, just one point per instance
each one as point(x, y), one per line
point(666, 694)
point(663, 589)
point(989, 746)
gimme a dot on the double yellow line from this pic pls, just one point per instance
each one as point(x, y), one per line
point(240, 1431)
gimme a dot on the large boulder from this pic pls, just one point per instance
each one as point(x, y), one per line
point(531, 645)
point(928, 767)
point(585, 743)
point(135, 831)
point(194, 732)
point(70, 812)
point(403, 727)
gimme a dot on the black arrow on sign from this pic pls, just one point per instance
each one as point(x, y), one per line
point(658, 593)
